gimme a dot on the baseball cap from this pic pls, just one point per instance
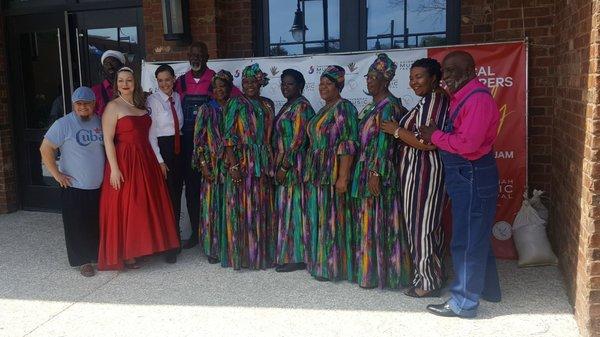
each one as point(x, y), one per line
point(83, 94)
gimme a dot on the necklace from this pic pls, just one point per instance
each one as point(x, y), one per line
point(124, 100)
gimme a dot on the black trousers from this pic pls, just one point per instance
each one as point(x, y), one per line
point(174, 175)
point(80, 213)
point(192, 180)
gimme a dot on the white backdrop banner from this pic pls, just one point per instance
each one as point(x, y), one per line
point(311, 66)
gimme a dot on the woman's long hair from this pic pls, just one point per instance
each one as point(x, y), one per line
point(139, 99)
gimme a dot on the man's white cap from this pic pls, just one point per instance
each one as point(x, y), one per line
point(112, 53)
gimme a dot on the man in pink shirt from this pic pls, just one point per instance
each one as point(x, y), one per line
point(112, 61)
point(471, 175)
point(195, 88)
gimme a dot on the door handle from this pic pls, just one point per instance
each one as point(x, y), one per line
point(77, 37)
point(62, 75)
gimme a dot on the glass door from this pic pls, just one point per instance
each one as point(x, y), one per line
point(40, 94)
point(51, 55)
point(94, 32)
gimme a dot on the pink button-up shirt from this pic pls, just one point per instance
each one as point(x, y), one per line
point(201, 87)
point(100, 101)
point(475, 126)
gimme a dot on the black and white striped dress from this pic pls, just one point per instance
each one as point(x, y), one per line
point(423, 193)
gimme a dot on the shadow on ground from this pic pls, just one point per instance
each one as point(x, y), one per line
point(34, 268)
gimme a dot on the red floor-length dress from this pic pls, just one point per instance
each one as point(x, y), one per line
point(137, 219)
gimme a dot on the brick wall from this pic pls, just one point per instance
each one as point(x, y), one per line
point(8, 178)
point(495, 21)
point(235, 28)
point(224, 25)
point(564, 126)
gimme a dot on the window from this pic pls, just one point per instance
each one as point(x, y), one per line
point(405, 23)
point(351, 25)
point(321, 22)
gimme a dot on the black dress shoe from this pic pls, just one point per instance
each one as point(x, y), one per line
point(191, 243)
point(212, 260)
point(171, 258)
point(289, 267)
point(443, 310)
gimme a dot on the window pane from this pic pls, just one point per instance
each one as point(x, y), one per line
point(432, 40)
point(315, 48)
point(313, 17)
point(426, 16)
point(279, 50)
point(123, 39)
point(380, 14)
point(333, 8)
point(41, 76)
point(281, 18)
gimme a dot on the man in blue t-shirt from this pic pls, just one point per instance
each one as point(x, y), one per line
point(78, 136)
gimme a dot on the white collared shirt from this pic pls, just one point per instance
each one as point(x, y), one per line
point(162, 118)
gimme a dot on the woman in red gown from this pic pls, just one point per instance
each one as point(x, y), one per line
point(136, 216)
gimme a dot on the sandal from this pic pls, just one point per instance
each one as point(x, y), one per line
point(412, 292)
point(132, 265)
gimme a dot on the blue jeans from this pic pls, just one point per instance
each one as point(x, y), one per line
point(473, 189)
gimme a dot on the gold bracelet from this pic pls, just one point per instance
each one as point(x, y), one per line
point(397, 133)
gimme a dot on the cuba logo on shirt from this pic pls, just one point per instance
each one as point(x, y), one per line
point(85, 137)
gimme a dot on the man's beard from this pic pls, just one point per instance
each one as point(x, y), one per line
point(196, 67)
point(85, 118)
point(454, 86)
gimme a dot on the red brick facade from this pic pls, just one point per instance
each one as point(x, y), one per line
point(564, 125)
point(8, 176)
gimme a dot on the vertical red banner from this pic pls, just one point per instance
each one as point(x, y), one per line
point(502, 67)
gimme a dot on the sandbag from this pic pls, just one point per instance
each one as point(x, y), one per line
point(536, 203)
point(531, 240)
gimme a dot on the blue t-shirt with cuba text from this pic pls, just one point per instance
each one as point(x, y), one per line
point(81, 149)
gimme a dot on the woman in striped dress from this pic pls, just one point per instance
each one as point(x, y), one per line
point(382, 254)
point(208, 159)
point(421, 178)
point(249, 231)
point(289, 145)
point(332, 133)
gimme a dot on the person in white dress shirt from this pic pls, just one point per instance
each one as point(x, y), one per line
point(165, 138)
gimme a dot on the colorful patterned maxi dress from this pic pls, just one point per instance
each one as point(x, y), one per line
point(208, 147)
point(423, 193)
point(248, 227)
point(332, 133)
point(289, 143)
point(382, 254)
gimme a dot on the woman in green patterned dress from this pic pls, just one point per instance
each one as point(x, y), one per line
point(382, 254)
point(333, 143)
point(208, 159)
point(248, 226)
point(289, 145)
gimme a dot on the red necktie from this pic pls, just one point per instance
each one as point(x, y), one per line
point(176, 126)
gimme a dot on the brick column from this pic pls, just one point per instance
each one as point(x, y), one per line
point(8, 177)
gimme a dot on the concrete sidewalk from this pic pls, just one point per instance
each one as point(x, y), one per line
point(40, 295)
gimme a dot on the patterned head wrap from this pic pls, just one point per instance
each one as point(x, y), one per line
point(384, 66)
point(336, 75)
point(224, 76)
point(253, 71)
